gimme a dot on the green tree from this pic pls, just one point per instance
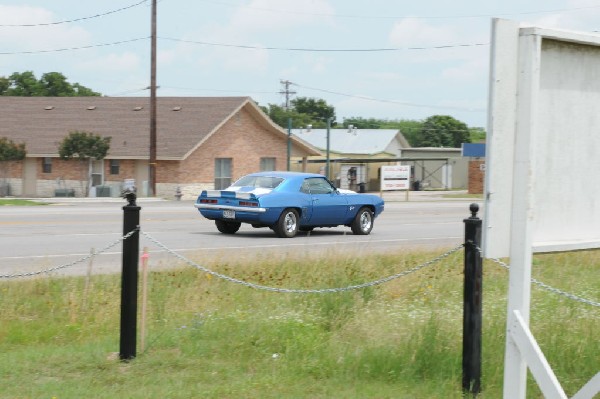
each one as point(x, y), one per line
point(82, 91)
point(410, 129)
point(52, 84)
point(477, 134)
point(9, 153)
point(362, 123)
point(318, 110)
point(280, 116)
point(443, 131)
point(303, 112)
point(84, 147)
point(4, 85)
point(23, 85)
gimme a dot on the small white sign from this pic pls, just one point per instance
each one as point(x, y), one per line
point(396, 177)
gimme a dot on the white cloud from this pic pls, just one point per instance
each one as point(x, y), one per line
point(43, 37)
point(252, 60)
point(474, 69)
point(125, 62)
point(260, 15)
point(577, 15)
point(411, 32)
point(259, 23)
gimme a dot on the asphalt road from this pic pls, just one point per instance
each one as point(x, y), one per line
point(40, 237)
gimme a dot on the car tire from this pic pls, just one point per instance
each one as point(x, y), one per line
point(287, 224)
point(363, 222)
point(227, 227)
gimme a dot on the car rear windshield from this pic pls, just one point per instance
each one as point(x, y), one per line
point(258, 181)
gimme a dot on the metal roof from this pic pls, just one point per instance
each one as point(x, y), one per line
point(353, 141)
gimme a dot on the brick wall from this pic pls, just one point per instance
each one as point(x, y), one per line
point(476, 176)
point(12, 169)
point(244, 140)
point(126, 170)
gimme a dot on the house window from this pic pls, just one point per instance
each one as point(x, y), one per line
point(114, 166)
point(267, 164)
point(222, 173)
point(97, 172)
point(47, 165)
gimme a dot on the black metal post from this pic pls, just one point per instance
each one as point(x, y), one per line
point(129, 278)
point(472, 314)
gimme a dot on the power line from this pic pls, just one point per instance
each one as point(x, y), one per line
point(76, 19)
point(323, 49)
point(409, 104)
point(217, 90)
point(289, 83)
point(74, 48)
point(245, 47)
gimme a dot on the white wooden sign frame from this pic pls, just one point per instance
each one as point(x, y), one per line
point(541, 81)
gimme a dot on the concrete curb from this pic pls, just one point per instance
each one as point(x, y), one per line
point(438, 195)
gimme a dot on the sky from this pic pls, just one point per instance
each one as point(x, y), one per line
point(384, 59)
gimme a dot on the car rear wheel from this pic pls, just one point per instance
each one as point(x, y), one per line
point(227, 227)
point(363, 222)
point(287, 224)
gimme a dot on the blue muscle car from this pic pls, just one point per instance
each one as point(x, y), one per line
point(288, 202)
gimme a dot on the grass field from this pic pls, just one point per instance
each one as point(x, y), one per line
point(20, 202)
point(210, 338)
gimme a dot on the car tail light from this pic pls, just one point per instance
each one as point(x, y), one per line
point(248, 203)
point(208, 201)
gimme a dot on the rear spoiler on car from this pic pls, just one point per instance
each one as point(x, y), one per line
point(228, 194)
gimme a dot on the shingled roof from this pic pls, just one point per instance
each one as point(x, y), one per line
point(183, 123)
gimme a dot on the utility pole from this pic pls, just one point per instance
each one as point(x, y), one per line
point(152, 159)
point(287, 92)
point(327, 165)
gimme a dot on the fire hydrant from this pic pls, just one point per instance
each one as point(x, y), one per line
point(178, 194)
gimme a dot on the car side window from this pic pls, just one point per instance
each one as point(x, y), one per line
point(305, 187)
point(318, 185)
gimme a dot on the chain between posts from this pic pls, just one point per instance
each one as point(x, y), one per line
point(53, 269)
point(302, 291)
point(546, 286)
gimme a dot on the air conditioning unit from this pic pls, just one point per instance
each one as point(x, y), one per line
point(103, 191)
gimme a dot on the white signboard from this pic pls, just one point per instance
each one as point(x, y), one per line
point(544, 114)
point(544, 96)
point(396, 177)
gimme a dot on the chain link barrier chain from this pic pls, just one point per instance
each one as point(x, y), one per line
point(287, 290)
point(546, 286)
point(301, 291)
point(53, 269)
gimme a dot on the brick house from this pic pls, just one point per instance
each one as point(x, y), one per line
point(202, 142)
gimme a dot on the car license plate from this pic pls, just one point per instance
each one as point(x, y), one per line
point(229, 214)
